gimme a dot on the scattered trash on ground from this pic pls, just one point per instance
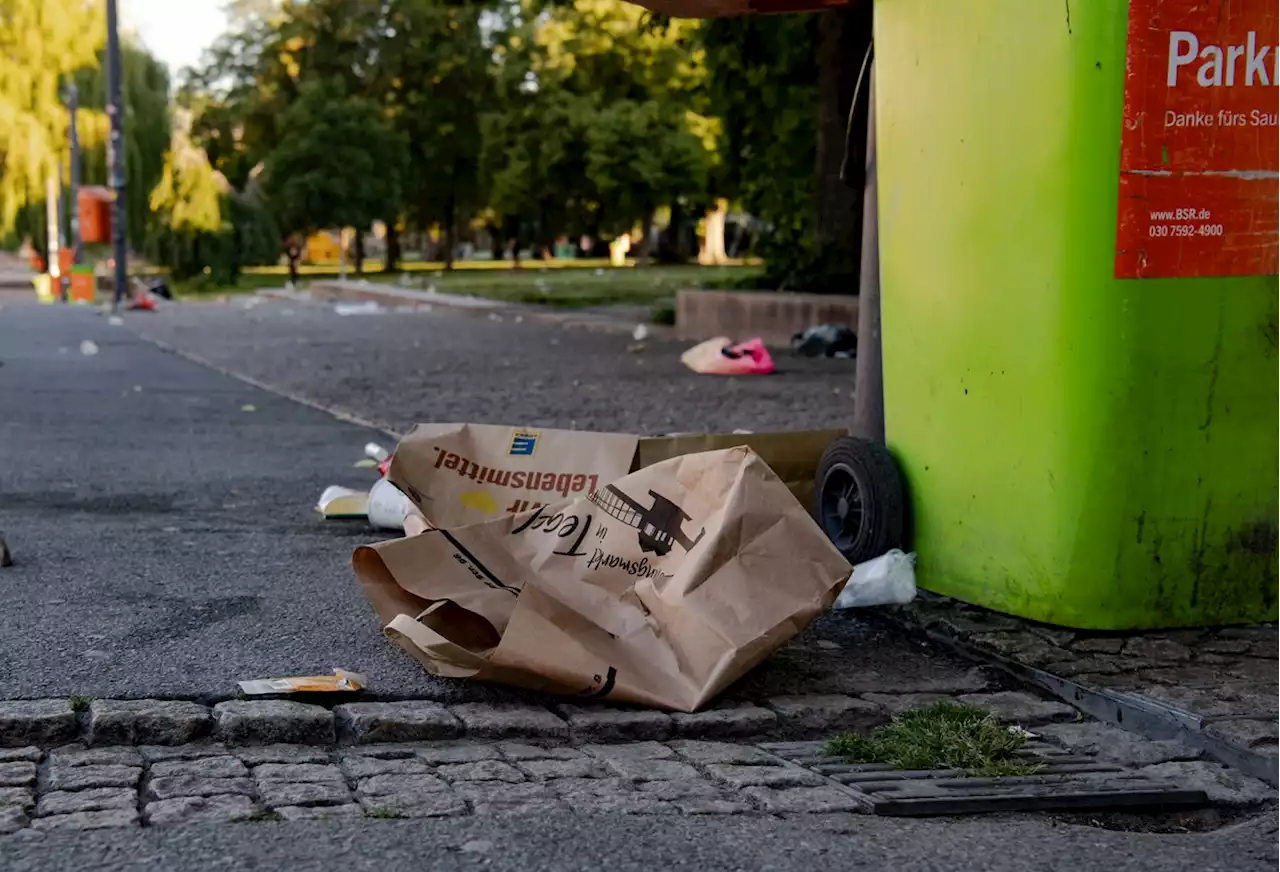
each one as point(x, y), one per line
point(6, 557)
point(887, 580)
point(641, 333)
point(384, 505)
point(248, 407)
point(657, 588)
point(159, 288)
point(115, 321)
point(368, 307)
point(830, 340)
point(343, 502)
point(144, 294)
point(380, 456)
point(340, 681)
point(636, 347)
point(720, 356)
point(388, 506)
point(88, 348)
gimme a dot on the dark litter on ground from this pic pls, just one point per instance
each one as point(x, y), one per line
point(825, 340)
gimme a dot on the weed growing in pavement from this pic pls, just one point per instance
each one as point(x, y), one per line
point(80, 703)
point(263, 817)
point(384, 814)
point(944, 735)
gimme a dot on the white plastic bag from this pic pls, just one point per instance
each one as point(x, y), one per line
point(886, 580)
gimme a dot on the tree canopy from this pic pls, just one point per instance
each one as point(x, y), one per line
point(538, 119)
point(338, 164)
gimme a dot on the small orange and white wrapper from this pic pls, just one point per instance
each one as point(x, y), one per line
point(340, 681)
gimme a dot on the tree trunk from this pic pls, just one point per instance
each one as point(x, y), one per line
point(450, 231)
point(293, 268)
point(843, 36)
point(646, 237)
point(359, 252)
point(676, 249)
point(496, 244)
point(391, 261)
point(713, 239)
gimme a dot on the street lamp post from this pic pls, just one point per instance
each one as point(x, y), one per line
point(115, 113)
point(73, 204)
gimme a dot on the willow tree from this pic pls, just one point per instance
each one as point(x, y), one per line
point(41, 43)
point(147, 131)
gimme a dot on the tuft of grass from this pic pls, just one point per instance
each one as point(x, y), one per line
point(263, 817)
point(944, 735)
point(80, 703)
point(384, 814)
point(664, 313)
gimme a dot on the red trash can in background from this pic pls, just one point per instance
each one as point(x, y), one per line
point(93, 206)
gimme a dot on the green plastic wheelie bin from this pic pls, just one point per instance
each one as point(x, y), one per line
point(1083, 449)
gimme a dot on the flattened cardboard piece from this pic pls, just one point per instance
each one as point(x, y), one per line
point(793, 456)
point(660, 589)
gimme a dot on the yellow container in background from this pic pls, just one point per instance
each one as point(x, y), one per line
point(44, 288)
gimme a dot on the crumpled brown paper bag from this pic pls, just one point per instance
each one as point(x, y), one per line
point(660, 589)
point(460, 474)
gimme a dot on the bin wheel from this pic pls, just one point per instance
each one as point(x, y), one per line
point(858, 498)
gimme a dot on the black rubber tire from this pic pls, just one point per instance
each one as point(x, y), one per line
point(859, 499)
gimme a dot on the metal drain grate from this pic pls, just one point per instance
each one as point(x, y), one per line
point(1065, 782)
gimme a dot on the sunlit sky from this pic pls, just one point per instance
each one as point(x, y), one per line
point(175, 31)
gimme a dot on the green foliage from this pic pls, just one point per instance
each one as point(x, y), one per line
point(437, 65)
point(763, 81)
point(539, 117)
point(597, 119)
point(944, 735)
point(186, 199)
point(147, 130)
point(384, 814)
point(200, 225)
point(339, 162)
point(257, 237)
point(41, 41)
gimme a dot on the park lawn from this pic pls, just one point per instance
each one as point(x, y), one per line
point(576, 287)
point(570, 284)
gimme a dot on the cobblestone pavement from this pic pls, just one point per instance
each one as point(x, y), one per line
point(545, 764)
point(1225, 679)
point(398, 368)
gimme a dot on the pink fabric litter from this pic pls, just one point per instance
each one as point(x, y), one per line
point(720, 356)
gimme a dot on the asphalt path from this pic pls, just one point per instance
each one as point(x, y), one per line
point(160, 514)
